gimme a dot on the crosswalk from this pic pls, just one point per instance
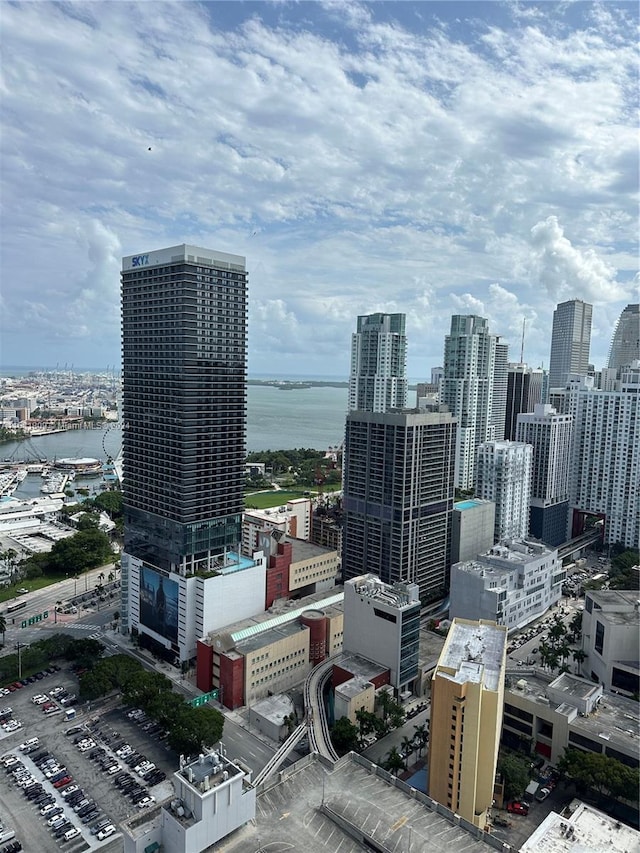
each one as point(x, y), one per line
point(83, 626)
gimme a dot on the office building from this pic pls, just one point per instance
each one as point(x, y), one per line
point(513, 584)
point(625, 345)
point(518, 379)
point(378, 379)
point(570, 341)
point(472, 527)
point(184, 339)
point(605, 458)
point(503, 476)
point(611, 639)
point(398, 498)
point(467, 691)
point(549, 714)
point(382, 624)
point(473, 388)
point(549, 433)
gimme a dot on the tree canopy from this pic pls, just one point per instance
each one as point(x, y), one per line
point(600, 773)
point(514, 770)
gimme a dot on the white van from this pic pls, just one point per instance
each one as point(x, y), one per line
point(70, 833)
point(29, 744)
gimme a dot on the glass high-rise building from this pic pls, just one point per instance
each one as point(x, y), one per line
point(570, 341)
point(184, 362)
point(625, 345)
point(398, 497)
point(378, 381)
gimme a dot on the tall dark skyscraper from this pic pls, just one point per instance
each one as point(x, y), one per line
point(570, 341)
point(398, 497)
point(378, 379)
point(518, 379)
point(184, 341)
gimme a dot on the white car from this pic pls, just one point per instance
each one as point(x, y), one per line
point(70, 790)
point(124, 751)
point(84, 745)
point(4, 691)
point(39, 699)
point(106, 832)
point(148, 801)
point(113, 769)
point(12, 726)
point(6, 712)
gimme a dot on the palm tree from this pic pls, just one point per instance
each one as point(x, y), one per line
point(110, 577)
point(407, 748)
point(384, 700)
point(422, 736)
point(579, 657)
point(3, 626)
point(393, 762)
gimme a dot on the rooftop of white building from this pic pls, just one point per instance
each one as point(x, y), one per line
point(394, 595)
point(584, 830)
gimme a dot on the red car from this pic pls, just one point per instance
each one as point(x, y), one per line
point(518, 808)
point(62, 782)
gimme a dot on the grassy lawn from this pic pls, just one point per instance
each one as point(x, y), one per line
point(265, 500)
point(11, 592)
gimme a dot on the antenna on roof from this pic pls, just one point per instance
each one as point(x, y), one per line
point(524, 323)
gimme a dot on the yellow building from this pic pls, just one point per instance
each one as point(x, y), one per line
point(467, 691)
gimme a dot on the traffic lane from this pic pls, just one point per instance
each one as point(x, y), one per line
point(379, 750)
point(245, 746)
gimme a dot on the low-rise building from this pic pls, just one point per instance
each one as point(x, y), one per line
point(270, 652)
point(549, 715)
point(581, 827)
point(382, 623)
point(513, 583)
point(611, 639)
point(293, 519)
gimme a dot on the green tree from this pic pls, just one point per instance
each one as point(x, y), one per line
point(110, 502)
point(421, 736)
point(366, 721)
point(599, 773)
point(514, 770)
point(384, 701)
point(195, 729)
point(407, 748)
point(344, 736)
point(142, 688)
point(3, 626)
point(394, 762)
point(579, 657)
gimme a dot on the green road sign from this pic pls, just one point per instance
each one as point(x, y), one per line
point(202, 700)
point(32, 620)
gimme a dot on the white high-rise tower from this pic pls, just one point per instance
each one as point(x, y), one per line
point(378, 379)
point(474, 388)
point(503, 475)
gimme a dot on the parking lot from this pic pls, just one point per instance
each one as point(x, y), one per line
point(93, 767)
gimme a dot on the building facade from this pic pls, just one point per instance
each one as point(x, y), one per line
point(512, 584)
point(605, 458)
point(474, 389)
point(611, 639)
point(570, 341)
point(378, 379)
point(472, 527)
point(549, 433)
point(398, 498)
point(503, 476)
point(625, 344)
point(518, 380)
point(382, 624)
point(184, 338)
point(467, 691)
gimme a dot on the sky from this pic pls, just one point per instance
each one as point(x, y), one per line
point(427, 158)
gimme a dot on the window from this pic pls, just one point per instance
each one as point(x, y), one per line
point(599, 643)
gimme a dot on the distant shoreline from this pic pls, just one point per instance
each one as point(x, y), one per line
point(292, 384)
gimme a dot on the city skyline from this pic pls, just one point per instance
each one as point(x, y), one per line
point(425, 158)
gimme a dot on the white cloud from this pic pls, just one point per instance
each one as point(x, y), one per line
point(362, 157)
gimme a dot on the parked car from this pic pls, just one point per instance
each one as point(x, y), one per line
point(518, 808)
point(542, 794)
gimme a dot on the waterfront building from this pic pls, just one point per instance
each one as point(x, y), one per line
point(467, 690)
point(503, 476)
point(378, 379)
point(472, 529)
point(611, 639)
point(513, 584)
point(605, 458)
point(549, 433)
point(570, 341)
point(625, 344)
point(398, 498)
point(382, 624)
point(473, 388)
point(184, 339)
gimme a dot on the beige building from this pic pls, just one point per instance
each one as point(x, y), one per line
point(311, 564)
point(467, 692)
point(352, 696)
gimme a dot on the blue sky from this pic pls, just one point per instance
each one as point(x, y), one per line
point(431, 158)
